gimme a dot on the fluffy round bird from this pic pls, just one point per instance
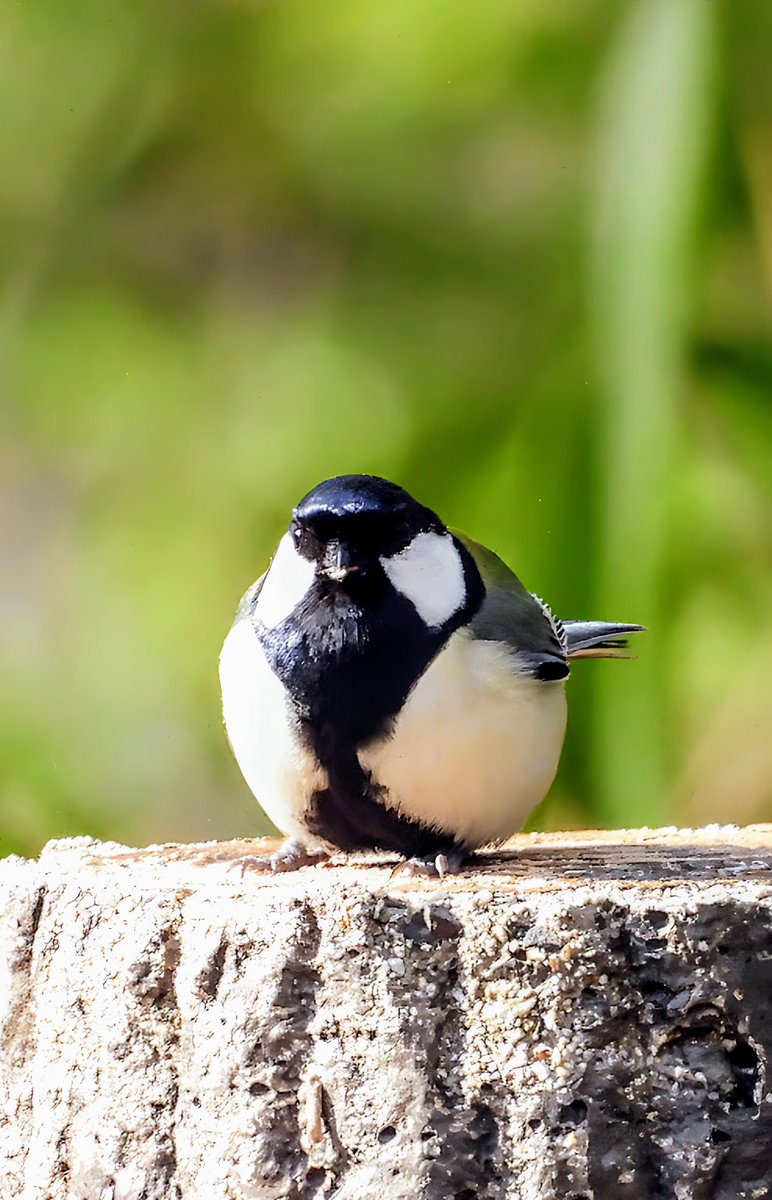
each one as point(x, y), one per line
point(389, 684)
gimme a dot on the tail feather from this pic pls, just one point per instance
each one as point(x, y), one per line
point(597, 639)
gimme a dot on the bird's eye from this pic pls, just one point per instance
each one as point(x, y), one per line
point(296, 534)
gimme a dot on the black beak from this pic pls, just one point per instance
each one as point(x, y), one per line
point(340, 562)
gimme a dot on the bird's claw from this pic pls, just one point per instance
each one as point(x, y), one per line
point(290, 856)
point(436, 866)
point(250, 862)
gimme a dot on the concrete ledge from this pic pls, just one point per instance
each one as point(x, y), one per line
point(580, 1016)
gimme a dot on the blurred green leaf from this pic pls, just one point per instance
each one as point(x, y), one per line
point(657, 111)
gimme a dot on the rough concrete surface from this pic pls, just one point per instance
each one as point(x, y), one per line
point(579, 1016)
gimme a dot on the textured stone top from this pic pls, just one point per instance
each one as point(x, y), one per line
point(529, 861)
point(577, 1016)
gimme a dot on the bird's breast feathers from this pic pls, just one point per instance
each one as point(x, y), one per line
point(264, 733)
point(474, 747)
point(476, 744)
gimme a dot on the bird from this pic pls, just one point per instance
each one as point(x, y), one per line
point(388, 684)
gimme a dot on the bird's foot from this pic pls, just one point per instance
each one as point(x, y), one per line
point(446, 862)
point(290, 856)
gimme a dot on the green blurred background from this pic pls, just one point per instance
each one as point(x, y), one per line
point(516, 256)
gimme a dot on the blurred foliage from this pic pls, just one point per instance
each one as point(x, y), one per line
point(516, 256)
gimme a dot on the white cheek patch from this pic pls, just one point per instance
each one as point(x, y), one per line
point(289, 578)
point(430, 574)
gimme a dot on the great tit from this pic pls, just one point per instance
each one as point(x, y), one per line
point(389, 684)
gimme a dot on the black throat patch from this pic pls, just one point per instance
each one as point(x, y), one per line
point(348, 659)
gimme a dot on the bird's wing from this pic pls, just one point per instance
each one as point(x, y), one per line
point(249, 599)
point(511, 615)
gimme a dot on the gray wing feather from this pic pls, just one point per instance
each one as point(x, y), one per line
point(597, 639)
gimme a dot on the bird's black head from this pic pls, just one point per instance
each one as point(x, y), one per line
point(348, 525)
point(365, 588)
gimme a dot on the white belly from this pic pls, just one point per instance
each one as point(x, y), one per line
point(279, 769)
point(476, 745)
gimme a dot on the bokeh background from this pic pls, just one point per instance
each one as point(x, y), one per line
point(516, 256)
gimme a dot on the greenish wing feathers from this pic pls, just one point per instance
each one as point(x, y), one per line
point(510, 614)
